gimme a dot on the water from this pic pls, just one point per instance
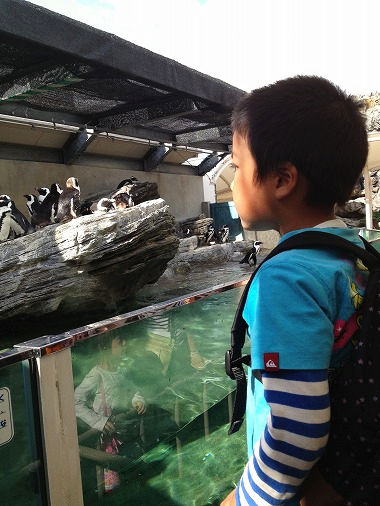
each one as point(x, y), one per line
point(178, 451)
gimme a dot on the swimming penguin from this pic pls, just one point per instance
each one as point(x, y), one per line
point(210, 235)
point(43, 192)
point(31, 203)
point(251, 257)
point(222, 234)
point(5, 217)
point(69, 201)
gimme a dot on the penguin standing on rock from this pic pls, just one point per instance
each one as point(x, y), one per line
point(5, 217)
point(123, 195)
point(103, 205)
point(46, 213)
point(43, 192)
point(18, 221)
point(32, 203)
point(209, 235)
point(222, 234)
point(69, 201)
point(130, 182)
point(251, 257)
point(14, 222)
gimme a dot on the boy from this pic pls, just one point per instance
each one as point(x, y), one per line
point(299, 147)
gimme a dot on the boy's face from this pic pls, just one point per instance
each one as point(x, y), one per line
point(254, 199)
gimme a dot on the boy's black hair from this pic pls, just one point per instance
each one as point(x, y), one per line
point(311, 123)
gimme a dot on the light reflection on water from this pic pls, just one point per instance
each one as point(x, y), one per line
point(176, 362)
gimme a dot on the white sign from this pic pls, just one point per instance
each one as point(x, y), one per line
point(6, 418)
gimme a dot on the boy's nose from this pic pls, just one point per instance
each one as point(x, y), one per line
point(232, 185)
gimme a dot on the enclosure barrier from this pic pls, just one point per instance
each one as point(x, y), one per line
point(158, 372)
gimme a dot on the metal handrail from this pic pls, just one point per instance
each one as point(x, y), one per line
point(53, 343)
point(14, 355)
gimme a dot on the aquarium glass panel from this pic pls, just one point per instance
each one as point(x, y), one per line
point(373, 236)
point(20, 464)
point(153, 404)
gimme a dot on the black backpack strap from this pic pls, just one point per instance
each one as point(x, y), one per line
point(233, 358)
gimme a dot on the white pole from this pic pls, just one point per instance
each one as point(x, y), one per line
point(368, 198)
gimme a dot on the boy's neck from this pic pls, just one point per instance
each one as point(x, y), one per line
point(304, 218)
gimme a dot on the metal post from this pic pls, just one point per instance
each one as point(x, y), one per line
point(368, 198)
point(59, 429)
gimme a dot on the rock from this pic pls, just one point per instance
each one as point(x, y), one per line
point(197, 226)
point(373, 118)
point(86, 266)
point(188, 244)
point(215, 254)
point(352, 209)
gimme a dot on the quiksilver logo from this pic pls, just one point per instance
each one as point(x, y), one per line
point(270, 363)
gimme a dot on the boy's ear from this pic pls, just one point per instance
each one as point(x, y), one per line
point(286, 180)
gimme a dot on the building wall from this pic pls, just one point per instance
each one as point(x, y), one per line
point(183, 193)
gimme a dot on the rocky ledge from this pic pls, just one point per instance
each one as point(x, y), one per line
point(84, 267)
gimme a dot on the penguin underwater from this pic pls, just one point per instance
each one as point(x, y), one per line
point(69, 201)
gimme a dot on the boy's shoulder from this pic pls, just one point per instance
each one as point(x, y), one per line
point(309, 267)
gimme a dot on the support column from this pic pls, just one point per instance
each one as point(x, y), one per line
point(368, 198)
point(59, 429)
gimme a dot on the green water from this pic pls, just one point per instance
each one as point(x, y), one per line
point(178, 451)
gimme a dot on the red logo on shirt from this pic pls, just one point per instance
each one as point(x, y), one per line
point(271, 361)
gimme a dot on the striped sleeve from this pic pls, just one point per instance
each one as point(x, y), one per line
point(293, 440)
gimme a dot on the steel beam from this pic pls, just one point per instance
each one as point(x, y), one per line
point(208, 163)
point(76, 145)
point(154, 157)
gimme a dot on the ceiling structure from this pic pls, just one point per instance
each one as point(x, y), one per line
point(63, 73)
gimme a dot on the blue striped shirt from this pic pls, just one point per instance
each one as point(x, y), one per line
point(293, 440)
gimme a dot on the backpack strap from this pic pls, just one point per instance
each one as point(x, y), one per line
point(233, 358)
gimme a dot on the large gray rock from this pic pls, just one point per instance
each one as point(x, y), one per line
point(87, 265)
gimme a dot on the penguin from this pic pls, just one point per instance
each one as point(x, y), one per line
point(104, 205)
point(43, 192)
point(251, 257)
point(210, 234)
point(131, 181)
point(85, 208)
point(123, 200)
point(222, 234)
point(46, 213)
point(69, 201)
point(15, 223)
point(19, 219)
point(5, 217)
point(31, 203)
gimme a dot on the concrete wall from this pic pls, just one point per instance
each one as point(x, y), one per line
point(183, 193)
